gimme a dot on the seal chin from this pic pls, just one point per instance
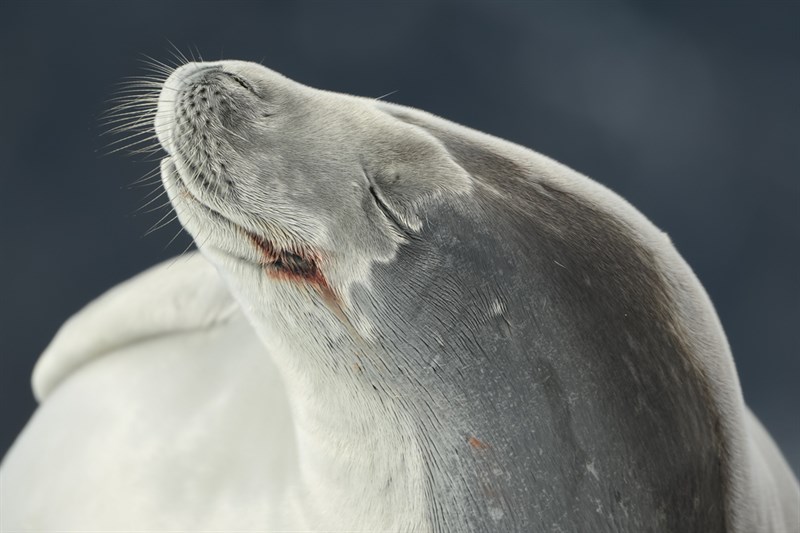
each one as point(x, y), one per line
point(296, 262)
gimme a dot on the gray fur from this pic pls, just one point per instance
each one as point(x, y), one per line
point(591, 412)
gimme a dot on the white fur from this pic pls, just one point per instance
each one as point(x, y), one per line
point(182, 295)
point(187, 426)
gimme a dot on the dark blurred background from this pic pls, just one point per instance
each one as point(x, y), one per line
point(689, 110)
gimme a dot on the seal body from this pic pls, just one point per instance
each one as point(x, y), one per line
point(470, 336)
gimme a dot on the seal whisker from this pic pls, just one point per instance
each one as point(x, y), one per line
point(161, 223)
point(153, 181)
point(147, 152)
point(129, 112)
point(150, 137)
point(155, 189)
point(134, 124)
point(125, 128)
point(152, 209)
point(155, 66)
point(137, 99)
point(138, 103)
point(127, 124)
point(139, 210)
point(153, 87)
point(177, 54)
point(131, 105)
point(144, 87)
point(132, 90)
point(387, 95)
point(155, 71)
point(177, 234)
point(142, 144)
point(128, 115)
point(141, 81)
point(199, 55)
point(151, 201)
point(150, 177)
point(131, 121)
point(155, 63)
point(153, 76)
point(188, 247)
point(131, 93)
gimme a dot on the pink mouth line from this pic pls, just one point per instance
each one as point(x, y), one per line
point(294, 265)
point(302, 266)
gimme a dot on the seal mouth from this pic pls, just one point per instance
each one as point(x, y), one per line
point(297, 263)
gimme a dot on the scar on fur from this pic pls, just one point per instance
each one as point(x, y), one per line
point(477, 444)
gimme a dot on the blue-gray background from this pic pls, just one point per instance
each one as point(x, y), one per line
point(689, 110)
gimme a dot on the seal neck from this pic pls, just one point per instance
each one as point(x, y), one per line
point(358, 462)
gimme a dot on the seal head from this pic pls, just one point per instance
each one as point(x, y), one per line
point(239, 136)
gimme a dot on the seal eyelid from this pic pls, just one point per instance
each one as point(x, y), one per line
point(388, 212)
point(241, 81)
point(384, 208)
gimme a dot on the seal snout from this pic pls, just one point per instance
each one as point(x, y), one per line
point(195, 98)
point(203, 110)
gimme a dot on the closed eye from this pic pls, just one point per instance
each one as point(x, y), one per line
point(240, 81)
point(389, 213)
